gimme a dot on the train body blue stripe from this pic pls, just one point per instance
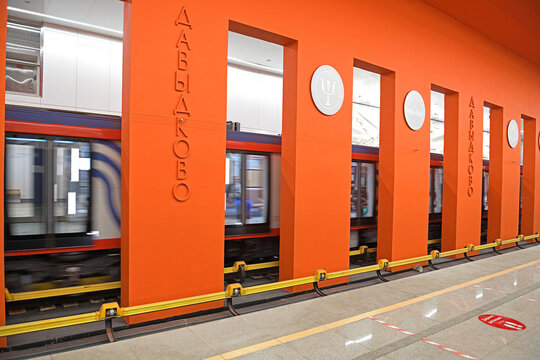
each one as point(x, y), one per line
point(111, 144)
point(98, 174)
point(62, 118)
point(97, 156)
point(253, 137)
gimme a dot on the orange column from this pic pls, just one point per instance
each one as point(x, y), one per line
point(530, 189)
point(3, 28)
point(173, 151)
point(316, 167)
point(403, 171)
point(462, 174)
point(504, 164)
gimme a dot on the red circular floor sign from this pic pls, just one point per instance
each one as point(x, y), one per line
point(502, 322)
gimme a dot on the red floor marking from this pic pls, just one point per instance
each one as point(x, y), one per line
point(449, 349)
point(392, 326)
point(490, 289)
point(502, 322)
point(524, 298)
point(504, 292)
point(426, 340)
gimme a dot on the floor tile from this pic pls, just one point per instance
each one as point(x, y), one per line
point(421, 350)
point(510, 352)
point(370, 334)
point(326, 346)
point(474, 337)
point(281, 352)
point(230, 334)
point(175, 344)
point(114, 351)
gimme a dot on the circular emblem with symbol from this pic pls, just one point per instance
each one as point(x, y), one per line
point(327, 90)
point(512, 133)
point(414, 110)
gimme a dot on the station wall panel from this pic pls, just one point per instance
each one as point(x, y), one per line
point(82, 72)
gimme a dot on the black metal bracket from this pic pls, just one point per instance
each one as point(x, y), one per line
point(379, 275)
point(467, 257)
point(496, 251)
point(231, 308)
point(109, 330)
point(242, 272)
point(519, 246)
point(430, 263)
point(366, 255)
point(317, 289)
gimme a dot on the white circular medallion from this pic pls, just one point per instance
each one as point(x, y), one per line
point(414, 110)
point(327, 90)
point(512, 133)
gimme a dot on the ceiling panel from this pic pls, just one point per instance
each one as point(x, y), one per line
point(69, 9)
point(107, 13)
point(255, 51)
point(104, 13)
point(515, 24)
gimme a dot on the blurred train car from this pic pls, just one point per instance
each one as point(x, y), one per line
point(253, 189)
point(62, 215)
point(62, 208)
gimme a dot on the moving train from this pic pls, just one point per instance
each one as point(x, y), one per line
point(62, 198)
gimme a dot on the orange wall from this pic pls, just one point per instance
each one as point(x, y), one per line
point(172, 249)
point(3, 28)
point(418, 45)
point(504, 174)
point(462, 172)
point(530, 192)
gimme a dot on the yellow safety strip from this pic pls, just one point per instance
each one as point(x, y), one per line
point(48, 324)
point(453, 252)
point(342, 273)
point(29, 295)
point(410, 261)
point(316, 330)
point(279, 285)
point(171, 304)
point(262, 265)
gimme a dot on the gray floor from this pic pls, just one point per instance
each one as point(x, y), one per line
point(437, 313)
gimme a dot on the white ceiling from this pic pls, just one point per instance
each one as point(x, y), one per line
point(108, 14)
point(255, 51)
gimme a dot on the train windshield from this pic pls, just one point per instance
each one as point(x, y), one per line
point(47, 189)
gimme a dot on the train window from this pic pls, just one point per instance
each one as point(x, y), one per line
point(25, 202)
point(246, 191)
point(256, 188)
point(485, 187)
point(71, 186)
point(23, 58)
point(362, 189)
point(435, 190)
point(47, 191)
point(233, 189)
